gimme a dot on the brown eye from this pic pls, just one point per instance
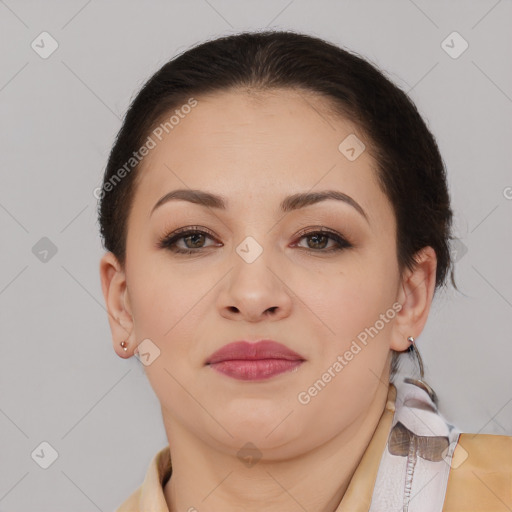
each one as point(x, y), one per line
point(193, 239)
point(319, 239)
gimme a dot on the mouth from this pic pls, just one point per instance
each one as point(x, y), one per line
point(256, 369)
point(254, 361)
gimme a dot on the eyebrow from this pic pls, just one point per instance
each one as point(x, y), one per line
point(289, 203)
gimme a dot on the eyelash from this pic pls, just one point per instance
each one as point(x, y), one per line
point(169, 241)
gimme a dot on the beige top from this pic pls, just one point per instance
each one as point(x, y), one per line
point(482, 483)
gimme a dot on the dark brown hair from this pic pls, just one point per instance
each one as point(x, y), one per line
point(410, 169)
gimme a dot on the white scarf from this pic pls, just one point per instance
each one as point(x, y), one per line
point(414, 468)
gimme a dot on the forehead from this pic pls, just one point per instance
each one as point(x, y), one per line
point(257, 145)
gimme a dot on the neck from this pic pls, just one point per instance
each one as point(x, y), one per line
point(209, 480)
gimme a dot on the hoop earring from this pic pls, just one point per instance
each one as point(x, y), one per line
point(123, 344)
point(420, 383)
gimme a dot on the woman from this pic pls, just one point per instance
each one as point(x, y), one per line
point(277, 222)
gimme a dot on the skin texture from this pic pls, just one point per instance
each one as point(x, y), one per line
point(255, 150)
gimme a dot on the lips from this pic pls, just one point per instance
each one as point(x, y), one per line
point(245, 351)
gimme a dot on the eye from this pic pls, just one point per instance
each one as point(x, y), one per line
point(192, 236)
point(321, 236)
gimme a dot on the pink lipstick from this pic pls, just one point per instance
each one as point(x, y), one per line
point(254, 361)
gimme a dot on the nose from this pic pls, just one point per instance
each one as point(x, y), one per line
point(255, 291)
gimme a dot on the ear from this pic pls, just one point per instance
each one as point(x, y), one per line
point(415, 295)
point(115, 293)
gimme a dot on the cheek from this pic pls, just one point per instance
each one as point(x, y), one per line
point(354, 299)
point(164, 313)
point(359, 311)
point(160, 298)
point(152, 307)
point(167, 308)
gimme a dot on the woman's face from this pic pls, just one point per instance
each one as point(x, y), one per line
point(255, 273)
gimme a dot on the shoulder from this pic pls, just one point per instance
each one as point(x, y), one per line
point(132, 503)
point(150, 495)
point(481, 474)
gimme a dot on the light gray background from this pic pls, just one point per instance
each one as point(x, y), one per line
point(60, 380)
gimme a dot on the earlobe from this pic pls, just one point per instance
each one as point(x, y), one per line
point(415, 296)
point(113, 284)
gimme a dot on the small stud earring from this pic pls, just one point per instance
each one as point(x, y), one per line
point(123, 344)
